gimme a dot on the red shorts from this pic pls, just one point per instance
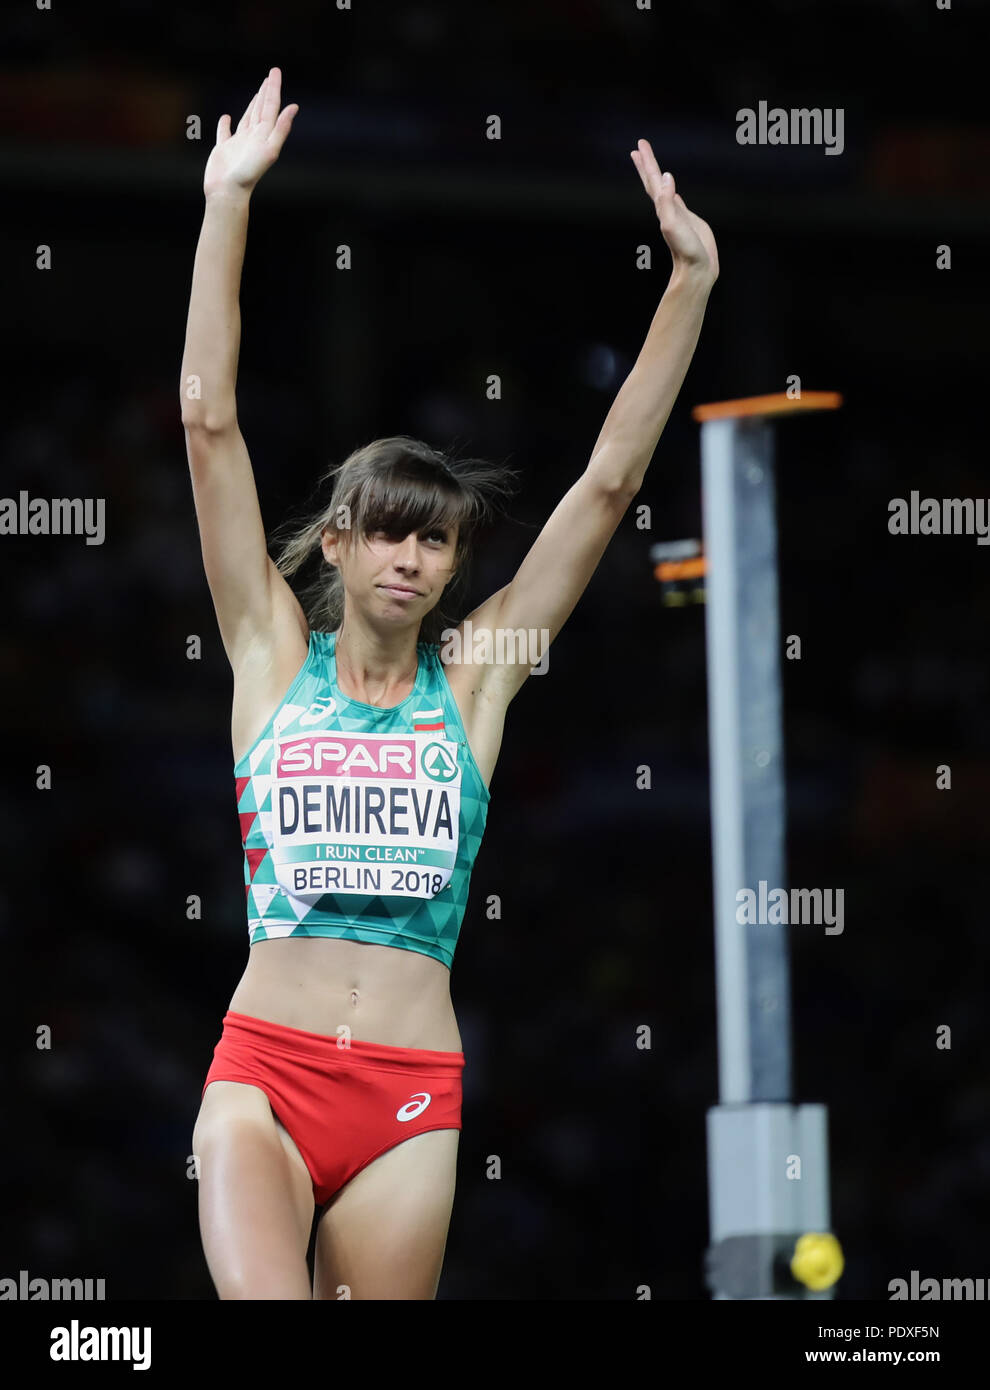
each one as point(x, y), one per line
point(343, 1105)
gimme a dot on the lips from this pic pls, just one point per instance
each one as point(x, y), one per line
point(398, 589)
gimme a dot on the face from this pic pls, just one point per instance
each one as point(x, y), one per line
point(390, 574)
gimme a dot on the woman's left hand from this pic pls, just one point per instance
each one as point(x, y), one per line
point(689, 237)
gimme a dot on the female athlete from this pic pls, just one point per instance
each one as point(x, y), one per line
point(363, 749)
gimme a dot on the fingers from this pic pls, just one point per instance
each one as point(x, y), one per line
point(649, 161)
point(282, 126)
point(223, 131)
point(650, 167)
point(652, 177)
point(245, 120)
point(263, 106)
point(272, 89)
point(259, 97)
point(649, 170)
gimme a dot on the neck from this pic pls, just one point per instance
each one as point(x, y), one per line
point(376, 666)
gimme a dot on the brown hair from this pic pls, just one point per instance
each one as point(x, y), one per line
point(395, 484)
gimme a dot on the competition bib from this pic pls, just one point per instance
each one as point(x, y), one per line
point(365, 813)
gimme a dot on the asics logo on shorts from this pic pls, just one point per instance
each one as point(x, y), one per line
point(415, 1107)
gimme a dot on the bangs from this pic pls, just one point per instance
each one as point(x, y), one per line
point(396, 501)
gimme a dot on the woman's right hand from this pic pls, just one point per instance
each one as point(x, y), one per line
point(237, 161)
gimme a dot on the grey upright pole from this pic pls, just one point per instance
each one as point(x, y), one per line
point(767, 1158)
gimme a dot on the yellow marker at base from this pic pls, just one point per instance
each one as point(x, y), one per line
point(817, 1261)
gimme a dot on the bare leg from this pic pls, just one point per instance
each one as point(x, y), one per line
point(255, 1196)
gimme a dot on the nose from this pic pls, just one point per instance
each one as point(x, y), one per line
point(407, 553)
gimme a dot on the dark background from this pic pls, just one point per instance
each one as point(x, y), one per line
point(516, 257)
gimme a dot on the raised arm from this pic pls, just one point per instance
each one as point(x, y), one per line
point(566, 553)
point(245, 585)
point(633, 426)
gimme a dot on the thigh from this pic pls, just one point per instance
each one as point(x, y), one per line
point(255, 1196)
point(385, 1232)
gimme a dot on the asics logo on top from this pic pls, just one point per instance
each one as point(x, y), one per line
point(318, 710)
point(415, 1107)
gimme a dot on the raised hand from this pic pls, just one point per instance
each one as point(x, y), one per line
point(237, 161)
point(690, 238)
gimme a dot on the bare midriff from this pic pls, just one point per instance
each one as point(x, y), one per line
point(383, 994)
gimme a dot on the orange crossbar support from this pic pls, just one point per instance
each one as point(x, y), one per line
point(668, 571)
point(779, 404)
